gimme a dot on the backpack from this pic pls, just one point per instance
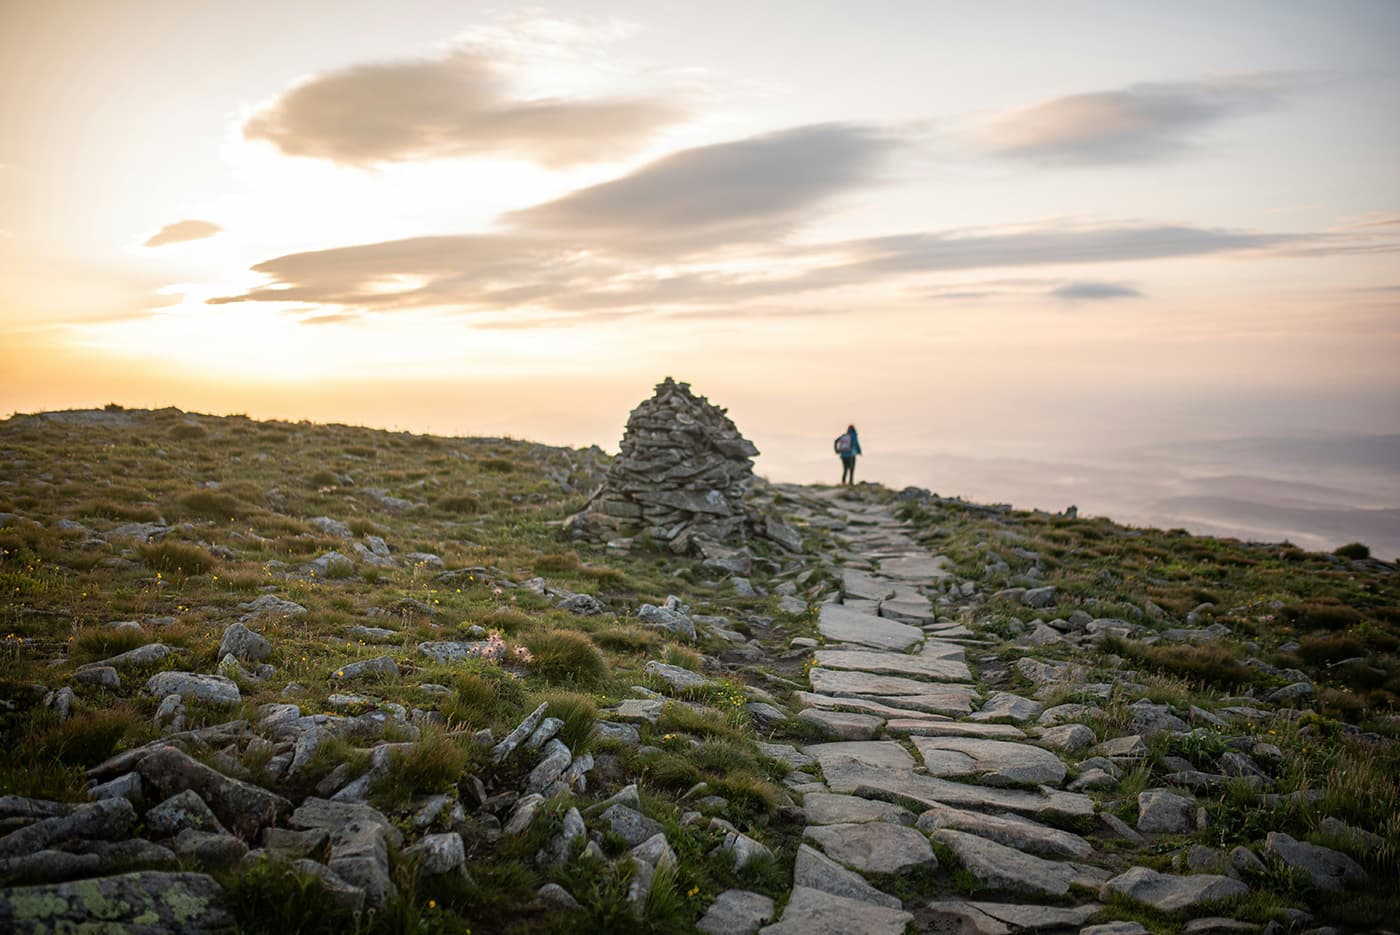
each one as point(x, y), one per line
point(843, 444)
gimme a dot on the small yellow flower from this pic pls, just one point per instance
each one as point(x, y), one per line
point(432, 904)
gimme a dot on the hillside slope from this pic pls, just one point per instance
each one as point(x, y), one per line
point(323, 678)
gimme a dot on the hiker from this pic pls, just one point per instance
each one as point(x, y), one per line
point(847, 445)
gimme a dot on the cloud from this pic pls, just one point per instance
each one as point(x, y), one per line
point(182, 232)
point(1060, 244)
point(458, 104)
point(723, 194)
point(1139, 123)
point(1089, 291)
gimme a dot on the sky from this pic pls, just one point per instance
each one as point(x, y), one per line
point(1001, 230)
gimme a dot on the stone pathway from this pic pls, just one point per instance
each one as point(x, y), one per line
point(892, 667)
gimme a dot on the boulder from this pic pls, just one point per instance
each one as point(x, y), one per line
point(1168, 893)
point(149, 901)
point(243, 808)
point(1325, 868)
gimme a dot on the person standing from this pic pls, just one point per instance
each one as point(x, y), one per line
point(847, 445)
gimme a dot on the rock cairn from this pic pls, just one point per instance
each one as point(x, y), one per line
point(680, 477)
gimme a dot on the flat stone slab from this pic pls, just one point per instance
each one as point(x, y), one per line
point(994, 762)
point(736, 912)
point(915, 568)
point(1009, 706)
point(919, 665)
point(842, 625)
point(1020, 833)
point(880, 754)
point(924, 792)
point(843, 724)
point(815, 870)
point(1169, 893)
point(812, 912)
point(827, 808)
point(927, 728)
point(865, 705)
point(865, 586)
point(908, 610)
point(942, 649)
point(982, 918)
point(1008, 870)
point(873, 846)
point(931, 696)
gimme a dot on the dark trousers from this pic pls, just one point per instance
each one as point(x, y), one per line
point(848, 469)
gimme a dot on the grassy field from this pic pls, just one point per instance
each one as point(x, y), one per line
point(441, 540)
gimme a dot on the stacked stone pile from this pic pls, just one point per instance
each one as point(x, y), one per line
point(680, 477)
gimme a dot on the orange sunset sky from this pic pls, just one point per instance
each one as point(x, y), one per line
point(977, 229)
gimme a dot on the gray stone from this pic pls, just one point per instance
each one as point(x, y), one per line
point(436, 854)
point(1068, 737)
point(1170, 893)
point(926, 727)
point(873, 847)
point(99, 676)
point(743, 849)
point(843, 625)
point(523, 815)
point(61, 702)
point(1065, 712)
point(210, 850)
point(583, 605)
point(556, 759)
point(677, 678)
point(843, 725)
point(244, 644)
point(1357, 838)
point(984, 918)
point(640, 709)
point(330, 527)
point(1164, 812)
point(1093, 779)
point(558, 849)
point(519, 735)
point(126, 786)
point(812, 912)
point(557, 896)
point(294, 845)
point(376, 668)
point(736, 912)
point(348, 896)
point(629, 824)
point(243, 808)
point(667, 618)
point(147, 901)
point(993, 762)
point(1039, 597)
point(146, 655)
point(1121, 828)
point(1244, 861)
point(623, 733)
point(917, 666)
point(1020, 833)
point(1009, 706)
point(272, 606)
point(905, 786)
point(1325, 868)
point(1130, 746)
point(1149, 719)
point(819, 872)
point(360, 855)
point(447, 652)
point(207, 689)
point(105, 819)
point(1006, 869)
point(1115, 928)
point(825, 808)
point(922, 696)
point(182, 810)
point(48, 866)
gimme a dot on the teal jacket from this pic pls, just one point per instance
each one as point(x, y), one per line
point(855, 445)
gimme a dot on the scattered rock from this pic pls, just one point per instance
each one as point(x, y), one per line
point(1163, 812)
point(819, 872)
point(1007, 869)
point(150, 900)
point(736, 912)
point(436, 854)
point(1325, 868)
point(812, 912)
point(243, 808)
point(873, 847)
point(206, 689)
point(1170, 893)
point(181, 811)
